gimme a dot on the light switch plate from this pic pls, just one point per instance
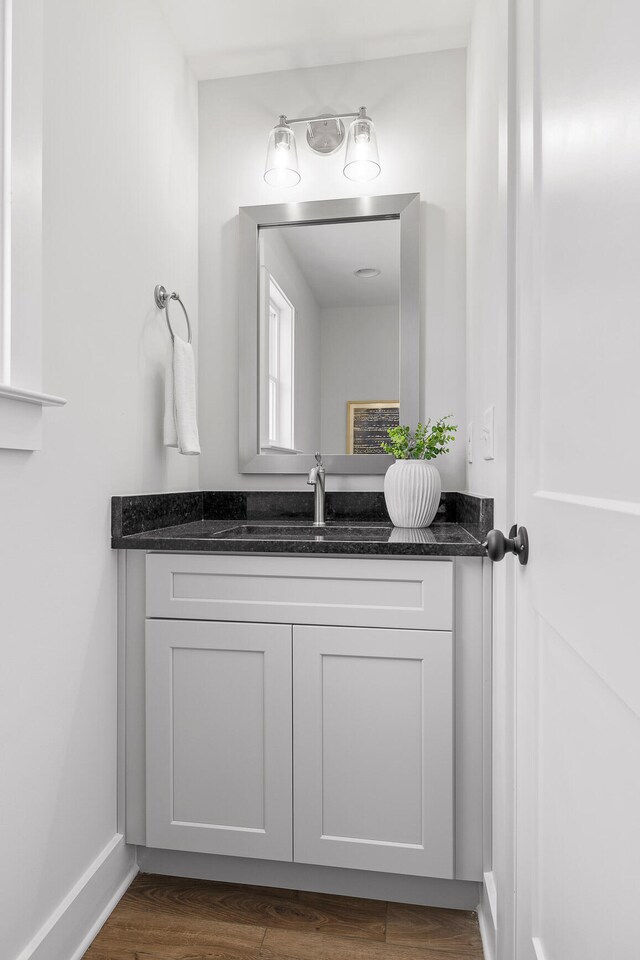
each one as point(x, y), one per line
point(470, 442)
point(488, 433)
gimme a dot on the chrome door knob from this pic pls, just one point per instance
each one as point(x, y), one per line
point(497, 545)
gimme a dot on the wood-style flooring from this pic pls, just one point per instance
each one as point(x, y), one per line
point(169, 918)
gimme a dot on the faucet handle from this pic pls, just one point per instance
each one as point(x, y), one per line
point(318, 458)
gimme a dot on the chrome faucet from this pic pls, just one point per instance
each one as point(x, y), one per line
point(316, 479)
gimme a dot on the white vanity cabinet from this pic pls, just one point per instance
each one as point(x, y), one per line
point(218, 721)
point(373, 749)
point(315, 710)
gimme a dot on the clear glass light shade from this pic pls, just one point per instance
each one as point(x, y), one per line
point(361, 160)
point(281, 168)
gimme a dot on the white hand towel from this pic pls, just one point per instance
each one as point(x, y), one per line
point(169, 430)
point(180, 422)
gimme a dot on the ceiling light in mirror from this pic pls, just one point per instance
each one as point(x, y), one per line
point(281, 168)
point(366, 273)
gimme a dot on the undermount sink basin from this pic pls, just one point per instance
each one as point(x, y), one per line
point(304, 531)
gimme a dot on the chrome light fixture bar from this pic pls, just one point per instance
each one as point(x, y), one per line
point(325, 135)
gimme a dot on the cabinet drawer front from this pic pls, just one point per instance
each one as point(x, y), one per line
point(414, 594)
point(218, 730)
point(373, 749)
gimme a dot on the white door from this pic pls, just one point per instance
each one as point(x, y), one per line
point(373, 749)
point(578, 479)
point(218, 727)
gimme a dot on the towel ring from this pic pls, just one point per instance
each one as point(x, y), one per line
point(162, 299)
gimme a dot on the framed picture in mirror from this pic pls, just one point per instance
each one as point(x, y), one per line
point(368, 422)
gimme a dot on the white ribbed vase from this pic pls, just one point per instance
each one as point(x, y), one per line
point(412, 492)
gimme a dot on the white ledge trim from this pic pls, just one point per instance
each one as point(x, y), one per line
point(30, 396)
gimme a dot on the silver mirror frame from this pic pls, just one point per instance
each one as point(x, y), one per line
point(406, 207)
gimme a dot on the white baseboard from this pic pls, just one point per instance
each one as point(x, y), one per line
point(456, 894)
point(68, 932)
point(488, 916)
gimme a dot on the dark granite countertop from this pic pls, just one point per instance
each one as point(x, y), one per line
point(239, 522)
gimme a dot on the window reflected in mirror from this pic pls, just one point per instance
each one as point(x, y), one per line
point(329, 336)
point(281, 364)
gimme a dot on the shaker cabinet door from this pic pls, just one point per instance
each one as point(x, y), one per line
point(373, 749)
point(218, 732)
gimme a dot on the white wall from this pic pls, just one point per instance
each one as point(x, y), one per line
point(279, 261)
point(360, 358)
point(120, 215)
point(418, 104)
point(489, 353)
point(486, 328)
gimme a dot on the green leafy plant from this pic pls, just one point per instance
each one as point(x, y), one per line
point(426, 443)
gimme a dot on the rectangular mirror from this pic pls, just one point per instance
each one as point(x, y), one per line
point(329, 332)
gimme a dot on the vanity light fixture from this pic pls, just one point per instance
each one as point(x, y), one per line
point(325, 135)
point(281, 168)
point(362, 161)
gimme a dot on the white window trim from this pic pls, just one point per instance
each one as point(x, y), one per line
point(21, 396)
point(273, 379)
point(281, 301)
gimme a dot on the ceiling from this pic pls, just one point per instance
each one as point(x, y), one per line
point(226, 38)
point(327, 255)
